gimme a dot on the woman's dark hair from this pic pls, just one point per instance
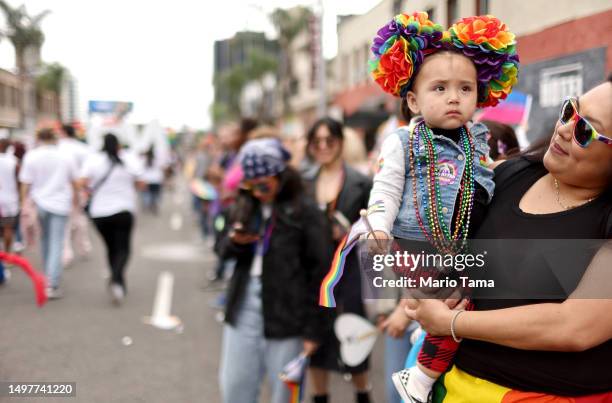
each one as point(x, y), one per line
point(291, 186)
point(4, 145)
point(111, 147)
point(19, 150)
point(69, 130)
point(46, 134)
point(503, 140)
point(150, 156)
point(335, 129)
point(536, 150)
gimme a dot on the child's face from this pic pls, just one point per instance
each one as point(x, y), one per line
point(444, 91)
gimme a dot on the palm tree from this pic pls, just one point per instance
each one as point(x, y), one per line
point(257, 67)
point(289, 24)
point(51, 80)
point(24, 32)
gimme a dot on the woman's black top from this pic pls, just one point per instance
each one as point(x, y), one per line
point(558, 373)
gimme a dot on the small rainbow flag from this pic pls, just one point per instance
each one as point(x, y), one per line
point(293, 375)
point(326, 292)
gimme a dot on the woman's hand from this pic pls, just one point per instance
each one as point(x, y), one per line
point(434, 315)
point(310, 347)
point(396, 324)
point(337, 232)
point(243, 238)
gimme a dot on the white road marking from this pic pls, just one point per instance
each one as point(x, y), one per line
point(162, 305)
point(176, 221)
point(178, 252)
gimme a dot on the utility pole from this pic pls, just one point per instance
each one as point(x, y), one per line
point(321, 67)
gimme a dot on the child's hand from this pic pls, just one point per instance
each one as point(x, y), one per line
point(380, 245)
point(396, 323)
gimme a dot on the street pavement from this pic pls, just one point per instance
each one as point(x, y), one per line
point(83, 338)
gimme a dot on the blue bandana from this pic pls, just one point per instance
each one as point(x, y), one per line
point(263, 157)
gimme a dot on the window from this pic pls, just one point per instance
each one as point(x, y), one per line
point(15, 101)
point(559, 82)
point(452, 11)
point(482, 7)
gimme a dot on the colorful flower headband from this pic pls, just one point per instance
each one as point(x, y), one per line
point(401, 45)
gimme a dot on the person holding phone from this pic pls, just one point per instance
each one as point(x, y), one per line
point(281, 244)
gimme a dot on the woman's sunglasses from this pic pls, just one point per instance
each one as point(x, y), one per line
point(329, 142)
point(584, 132)
point(262, 188)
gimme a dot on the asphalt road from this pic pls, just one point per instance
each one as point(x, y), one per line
point(82, 337)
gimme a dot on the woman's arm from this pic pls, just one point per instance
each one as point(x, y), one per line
point(577, 324)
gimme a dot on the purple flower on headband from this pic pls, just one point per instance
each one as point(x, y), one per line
point(386, 32)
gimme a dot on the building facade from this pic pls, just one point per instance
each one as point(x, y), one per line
point(10, 101)
point(565, 48)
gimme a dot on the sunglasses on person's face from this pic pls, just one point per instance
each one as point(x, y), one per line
point(261, 187)
point(329, 142)
point(584, 133)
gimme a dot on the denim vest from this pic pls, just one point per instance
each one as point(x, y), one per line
point(451, 164)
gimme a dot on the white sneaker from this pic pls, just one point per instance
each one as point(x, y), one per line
point(117, 293)
point(54, 293)
point(400, 381)
point(18, 247)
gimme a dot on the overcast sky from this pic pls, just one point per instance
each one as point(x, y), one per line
point(157, 54)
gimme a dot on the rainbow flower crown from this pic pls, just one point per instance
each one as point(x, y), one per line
point(402, 44)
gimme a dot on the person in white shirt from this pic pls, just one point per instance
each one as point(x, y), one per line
point(153, 176)
point(49, 176)
point(9, 198)
point(76, 229)
point(112, 179)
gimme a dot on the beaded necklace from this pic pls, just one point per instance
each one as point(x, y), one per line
point(440, 235)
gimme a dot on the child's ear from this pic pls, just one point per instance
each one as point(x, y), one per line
point(412, 103)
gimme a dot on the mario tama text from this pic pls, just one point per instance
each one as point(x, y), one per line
point(428, 270)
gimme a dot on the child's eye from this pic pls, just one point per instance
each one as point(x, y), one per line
point(466, 89)
point(439, 88)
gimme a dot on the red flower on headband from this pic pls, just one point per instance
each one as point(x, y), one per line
point(395, 68)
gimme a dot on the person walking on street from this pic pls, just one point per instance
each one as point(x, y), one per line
point(9, 200)
point(49, 176)
point(153, 176)
point(112, 183)
point(76, 229)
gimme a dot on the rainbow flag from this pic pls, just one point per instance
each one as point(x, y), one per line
point(457, 386)
point(293, 375)
point(513, 111)
point(326, 292)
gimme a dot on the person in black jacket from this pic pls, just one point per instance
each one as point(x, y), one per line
point(340, 192)
point(281, 243)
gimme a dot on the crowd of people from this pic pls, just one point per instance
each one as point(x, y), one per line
point(51, 191)
point(277, 211)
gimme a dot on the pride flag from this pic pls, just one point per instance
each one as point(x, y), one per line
point(513, 111)
point(326, 292)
